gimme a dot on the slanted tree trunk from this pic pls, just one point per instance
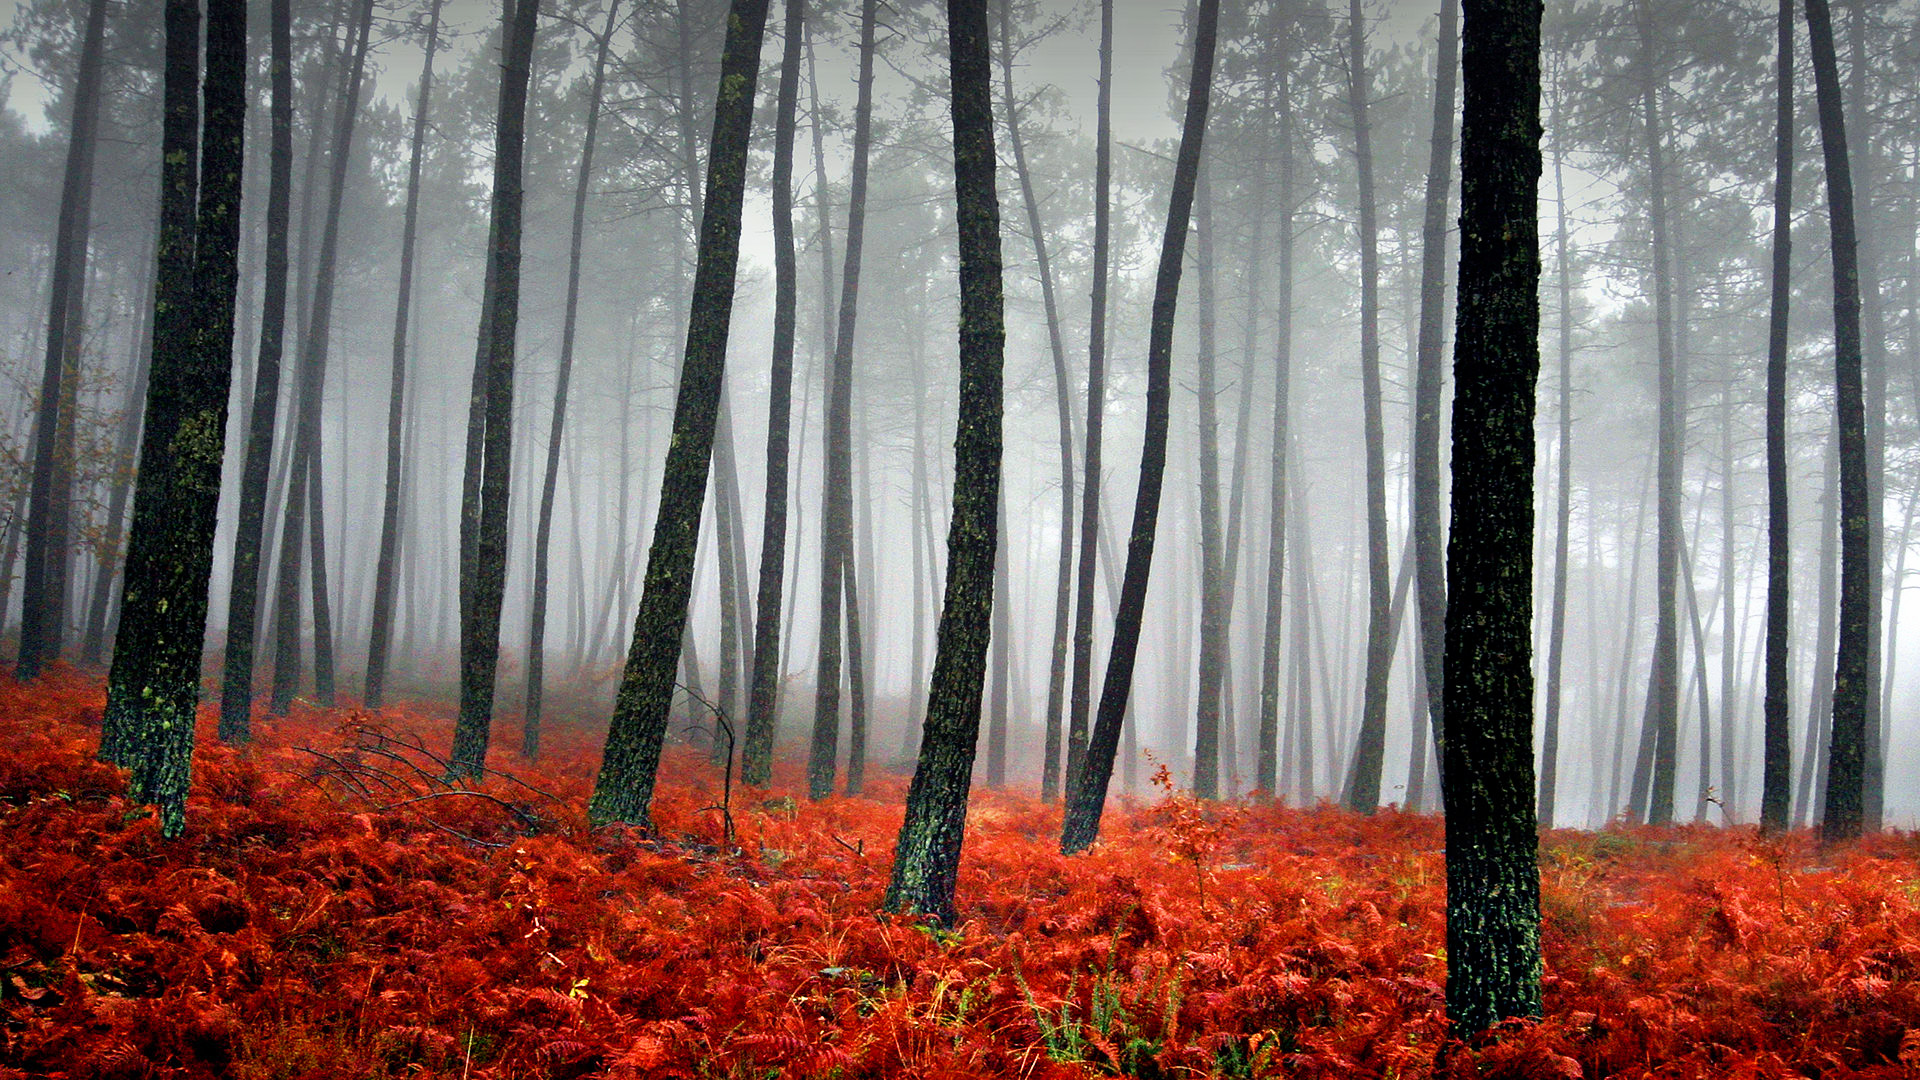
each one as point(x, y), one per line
point(43, 585)
point(1493, 880)
point(1043, 265)
point(1370, 745)
point(624, 789)
point(1853, 679)
point(763, 698)
point(483, 509)
point(836, 527)
point(543, 529)
point(1429, 552)
point(153, 689)
point(1080, 697)
point(236, 687)
point(1086, 799)
point(387, 566)
point(927, 857)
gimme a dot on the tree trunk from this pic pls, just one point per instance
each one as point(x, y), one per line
point(43, 586)
point(1429, 551)
point(1853, 678)
point(543, 530)
point(107, 567)
point(386, 573)
point(836, 527)
point(1563, 507)
point(1213, 618)
point(236, 687)
point(1063, 583)
point(1363, 780)
point(763, 697)
point(1086, 798)
point(624, 788)
point(1493, 881)
point(1080, 697)
point(1267, 769)
point(483, 509)
point(1813, 767)
point(927, 857)
point(153, 689)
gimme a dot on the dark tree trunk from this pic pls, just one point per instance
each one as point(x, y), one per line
point(1043, 265)
point(1563, 504)
point(1363, 780)
point(236, 687)
point(107, 567)
point(836, 526)
point(1430, 377)
point(1853, 680)
point(1813, 766)
point(763, 698)
point(1086, 797)
point(624, 788)
point(1080, 697)
point(304, 488)
point(1493, 881)
point(1267, 769)
point(387, 568)
point(927, 857)
point(43, 585)
point(543, 530)
point(483, 509)
point(153, 689)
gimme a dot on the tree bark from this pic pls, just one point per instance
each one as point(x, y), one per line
point(1493, 881)
point(1268, 758)
point(927, 857)
point(153, 689)
point(1213, 593)
point(1853, 679)
point(624, 788)
point(1086, 798)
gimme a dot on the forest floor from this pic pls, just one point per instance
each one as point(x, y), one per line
point(334, 911)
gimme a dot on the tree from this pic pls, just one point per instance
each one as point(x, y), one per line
point(927, 858)
point(1776, 797)
point(1087, 795)
point(1563, 494)
point(483, 504)
point(1430, 379)
point(44, 600)
point(543, 529)
point(763, 697)
point(236, 685)
point(624, 788)
point(1493, 881)
point(153, 689)
point(386, 575)
point(1267, 758)
point(1080, 696)
point(1853, 681)
point(1363, 779)
point(836, 526)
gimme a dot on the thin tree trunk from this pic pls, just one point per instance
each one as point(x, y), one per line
point(1213, 621)
point(43, 587)
point(1087, 796)
point(1813, 768)
point(1363, 780)
point(1563, 508)
point(1267, 769)
point(386, 574)
point(624, 788)
point(543, 530)
point(107, 566)
point(483, 509)
point(763, 697)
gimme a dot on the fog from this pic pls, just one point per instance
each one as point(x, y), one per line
point(1715, 109)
